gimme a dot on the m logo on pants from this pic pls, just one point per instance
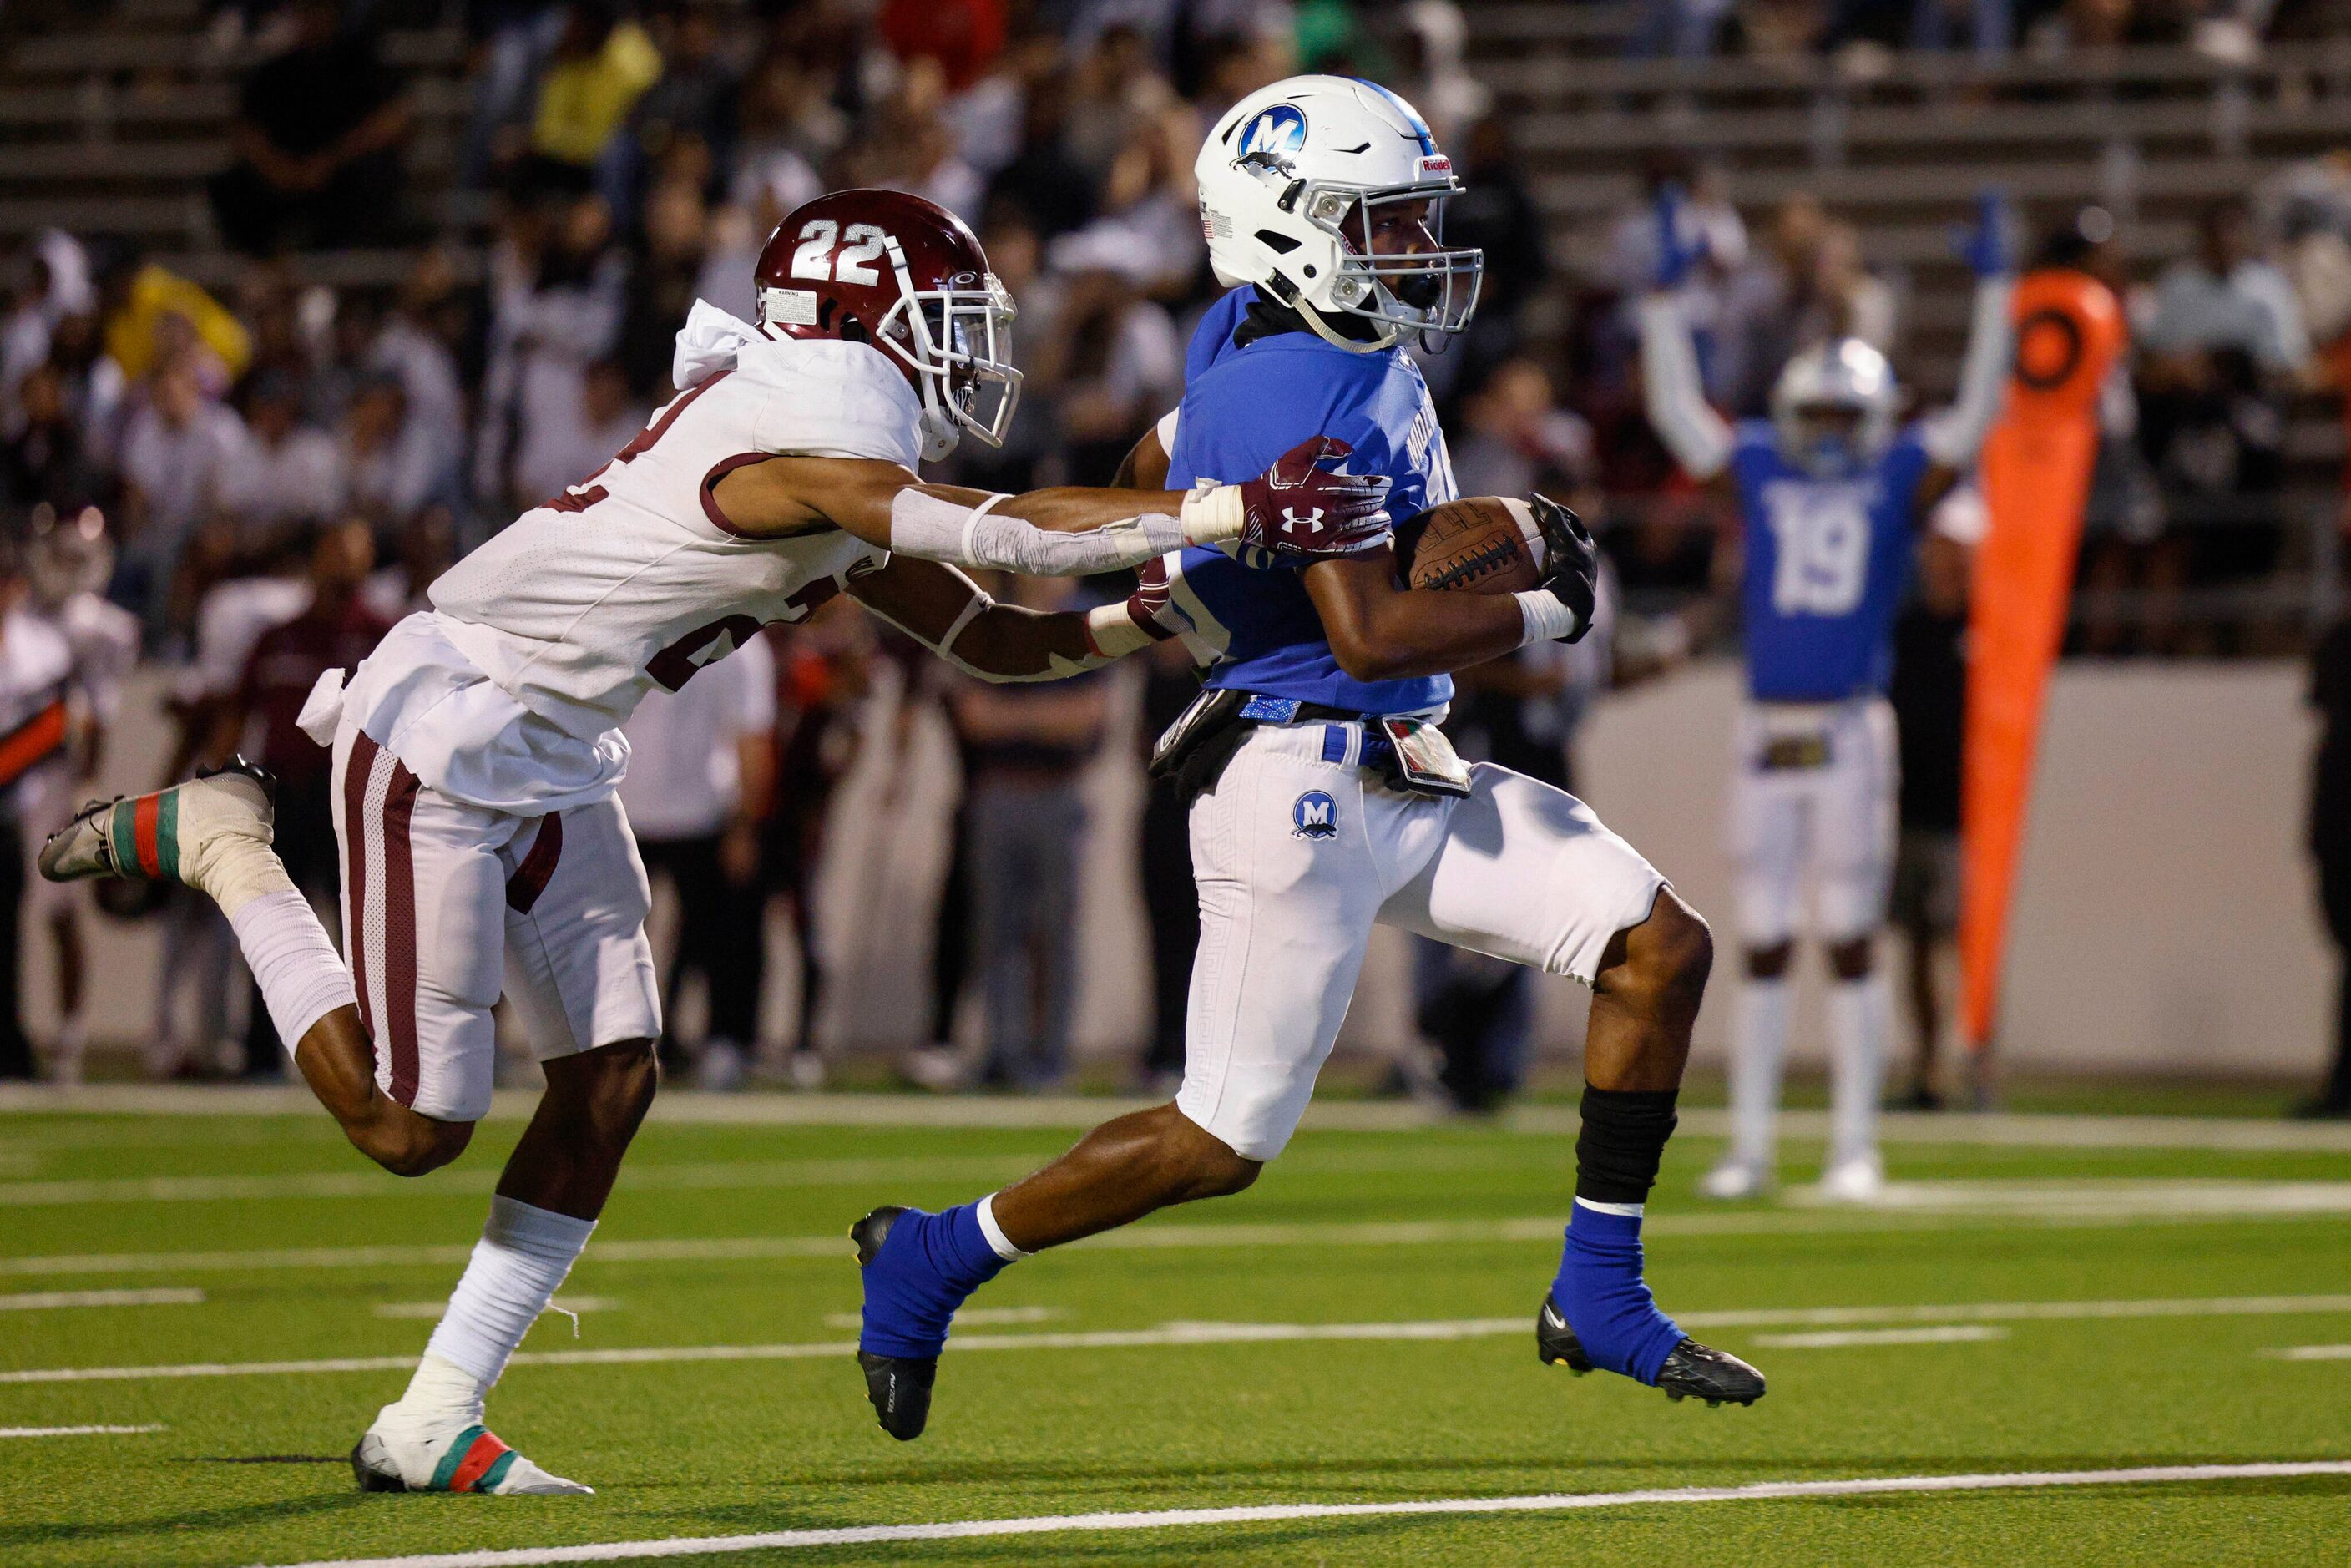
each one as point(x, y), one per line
point(1316, 816)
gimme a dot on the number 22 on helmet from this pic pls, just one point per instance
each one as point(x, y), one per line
point(907, 276)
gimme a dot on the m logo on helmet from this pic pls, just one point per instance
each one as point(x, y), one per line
point(1314, 816)
point(1278, 130)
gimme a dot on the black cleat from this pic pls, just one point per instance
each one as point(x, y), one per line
point(899, 1386)
point(1691, 1370)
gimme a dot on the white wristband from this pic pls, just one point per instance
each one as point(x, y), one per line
point(1114, 631)
point(1212, 515)
point(1543, 617)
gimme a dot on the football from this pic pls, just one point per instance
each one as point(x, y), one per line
point(1484, 544)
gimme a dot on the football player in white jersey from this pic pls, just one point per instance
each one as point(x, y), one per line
point(67, 566)
point(476, 751)
point(1831, 490)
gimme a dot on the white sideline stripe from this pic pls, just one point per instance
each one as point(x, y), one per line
point(1206, 1333)
point(1180, 1517)
point(74, 1431)
point(41, 1301)
point(2099, 1195)
point(363, 1183)
point(688, 1107)
point(2312, 1353)
point(1836, 1339)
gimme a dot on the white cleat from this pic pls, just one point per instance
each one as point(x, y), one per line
point(1859, 1179)
point(399, 1453)
point(1735, 1180)
point(170, 835)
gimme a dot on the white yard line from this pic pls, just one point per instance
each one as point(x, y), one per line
point(2067, 1214)
point(1838, 1339)
point(560, 1306)
point(44, 1301)
point(364, 1184)
point(74, 1431)
point(1183, 1518)
point(687, 1106)
point(1208, 1334)
point(2312, 1353)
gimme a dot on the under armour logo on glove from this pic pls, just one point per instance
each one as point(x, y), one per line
point(1308, 506)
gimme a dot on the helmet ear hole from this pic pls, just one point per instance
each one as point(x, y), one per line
point(853, 331)
point(1280, 244)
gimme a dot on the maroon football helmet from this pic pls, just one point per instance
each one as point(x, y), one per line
point(907, 276)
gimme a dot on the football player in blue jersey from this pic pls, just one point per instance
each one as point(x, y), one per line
point(1831, 490)
point(1323, 801)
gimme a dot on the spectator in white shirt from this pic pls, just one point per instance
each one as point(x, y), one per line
point(556, 304)
point(176, 449)
point(2227, 297)
point(700, 780)
point(284, 470)
point(393, 463)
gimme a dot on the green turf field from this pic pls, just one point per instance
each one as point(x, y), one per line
point(2059, 1308)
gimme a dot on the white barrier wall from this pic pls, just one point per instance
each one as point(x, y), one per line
point(2164, 921)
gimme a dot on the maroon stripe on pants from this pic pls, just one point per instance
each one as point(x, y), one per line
point(529, 879)
point(356, 768)
point(400, 931)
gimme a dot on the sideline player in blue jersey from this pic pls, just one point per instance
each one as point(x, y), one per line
point(1831, 491)
point(1323, 802)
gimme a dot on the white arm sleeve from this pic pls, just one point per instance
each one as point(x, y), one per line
point(1953, 437)
point(932, 529)
point(1167, 429)
point(1696, 434)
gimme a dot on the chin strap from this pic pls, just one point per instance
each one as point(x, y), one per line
point(1313, 319)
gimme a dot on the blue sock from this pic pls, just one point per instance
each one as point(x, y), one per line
point(927, 1265)
point(1601, 1293)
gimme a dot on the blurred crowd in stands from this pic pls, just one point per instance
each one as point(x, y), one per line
point(280, 454)
point(1859, 34)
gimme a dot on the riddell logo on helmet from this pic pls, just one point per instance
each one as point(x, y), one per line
point(1280, 128)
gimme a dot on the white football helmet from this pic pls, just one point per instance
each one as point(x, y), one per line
point(1842, 375)
point(1295, 180)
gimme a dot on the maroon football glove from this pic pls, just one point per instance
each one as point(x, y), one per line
point(1301, 507)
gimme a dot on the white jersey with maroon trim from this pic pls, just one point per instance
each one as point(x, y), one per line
point(633, 578)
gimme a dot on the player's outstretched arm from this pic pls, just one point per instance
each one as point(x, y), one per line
point(1954, 436)
point(1673, 393)
point(946, 611)
point(1304, 505)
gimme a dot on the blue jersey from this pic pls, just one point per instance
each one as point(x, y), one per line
point(1243, 408)
point(1826, 563)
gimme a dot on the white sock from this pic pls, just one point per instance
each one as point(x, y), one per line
point(302, 977)
point(997, 1240)
point(523, 1255)
point(1857, 1013)
point(1758, 1043)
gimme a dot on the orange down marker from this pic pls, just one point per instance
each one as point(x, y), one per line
point(2036, 479)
